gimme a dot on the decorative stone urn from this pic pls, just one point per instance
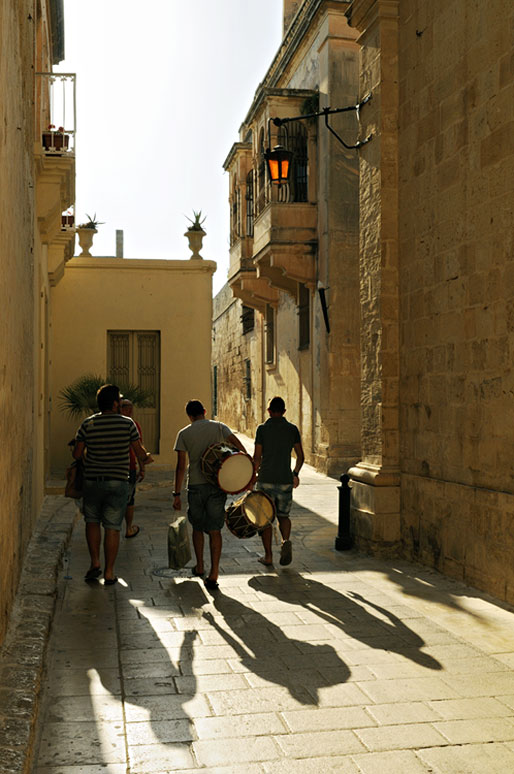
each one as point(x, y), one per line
point(86, 240)
point(195, 238)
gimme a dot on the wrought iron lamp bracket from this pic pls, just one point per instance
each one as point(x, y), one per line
point(326, 112)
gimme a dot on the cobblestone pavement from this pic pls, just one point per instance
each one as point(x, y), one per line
point(336, 663)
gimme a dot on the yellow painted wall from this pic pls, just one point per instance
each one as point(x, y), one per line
point(101, 294)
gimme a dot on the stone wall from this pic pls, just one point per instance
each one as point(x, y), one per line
point(457, 287)
point(17, 506)
point(230, 350)
point(438, 174)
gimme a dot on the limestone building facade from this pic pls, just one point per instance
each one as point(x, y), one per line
point(36, 185)
point(294, 250)
point(436, 478)
point(411, 240)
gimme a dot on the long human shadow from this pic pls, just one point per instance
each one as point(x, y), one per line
point(352, 618)
point(263, 641)
point(405, 577)
point(171, 724)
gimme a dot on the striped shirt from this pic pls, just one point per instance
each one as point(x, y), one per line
point(107, 438)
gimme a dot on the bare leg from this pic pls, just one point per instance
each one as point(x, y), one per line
point(215, 544)
point(284, 524)
point(129, 518)
point(94, 540)
point(198, 542)
point(266, 537)
point(111, 545)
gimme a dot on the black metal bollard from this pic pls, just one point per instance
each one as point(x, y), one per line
point(344, 539)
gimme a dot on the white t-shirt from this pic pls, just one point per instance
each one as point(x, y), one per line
point(195, 439)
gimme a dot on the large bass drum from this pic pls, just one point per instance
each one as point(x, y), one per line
point(227, 467)
point(251, 514)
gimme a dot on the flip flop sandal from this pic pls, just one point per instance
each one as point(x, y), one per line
point(286, 553)
point(212, 585)
point(93, 574)
point(134, 534)
point(110, 581)
point(262, 560)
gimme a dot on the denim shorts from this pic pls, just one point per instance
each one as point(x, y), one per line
point(281, 494)
point(105, 502)
point(206, 511)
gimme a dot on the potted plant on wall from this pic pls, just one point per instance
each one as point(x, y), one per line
point(55, 139)
point(195, 233)
point(86, 232)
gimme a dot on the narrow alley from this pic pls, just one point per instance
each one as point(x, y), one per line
point(338, 662)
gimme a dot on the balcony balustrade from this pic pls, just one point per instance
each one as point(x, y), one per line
point(56, 112)
point(54, 158)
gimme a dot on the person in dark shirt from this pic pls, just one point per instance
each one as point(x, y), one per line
point(274, 442)
point(106, 438)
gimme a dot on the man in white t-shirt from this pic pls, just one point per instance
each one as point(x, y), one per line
point(206, 502)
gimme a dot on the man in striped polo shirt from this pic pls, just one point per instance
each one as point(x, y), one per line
point(104, 440)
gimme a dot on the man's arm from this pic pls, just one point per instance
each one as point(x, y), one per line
point(179, 479)
point(144, 457)
point(78, 449)
point(300, 457)
point(257, 456)
point(236, 442)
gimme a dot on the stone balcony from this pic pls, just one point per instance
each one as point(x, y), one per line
point(285, 243)
point(254, 292)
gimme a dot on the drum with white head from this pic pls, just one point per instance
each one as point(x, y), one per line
point(226, 467)
point(250, 515)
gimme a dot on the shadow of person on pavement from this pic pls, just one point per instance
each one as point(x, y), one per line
point(267, 652)
point(153, 656)
point(387, 633)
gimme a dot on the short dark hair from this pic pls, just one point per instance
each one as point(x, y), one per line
point(106, 396)
point(195, 408)
point(277, 404)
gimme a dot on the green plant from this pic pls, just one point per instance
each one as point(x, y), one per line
point(92, 222)
point(79, 397)
point(196, 221)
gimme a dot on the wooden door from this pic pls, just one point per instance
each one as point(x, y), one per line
point(133, 357)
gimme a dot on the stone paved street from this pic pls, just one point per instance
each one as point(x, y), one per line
point(336, 663)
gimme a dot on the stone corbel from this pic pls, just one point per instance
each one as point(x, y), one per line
point(55, 191)
point(296, 262)
point(261, 290)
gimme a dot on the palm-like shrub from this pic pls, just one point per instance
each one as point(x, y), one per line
point(79, 397)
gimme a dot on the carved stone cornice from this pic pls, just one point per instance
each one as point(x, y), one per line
point(236, 149)
point(296, 33)
point(363, 14)
point(306, 17)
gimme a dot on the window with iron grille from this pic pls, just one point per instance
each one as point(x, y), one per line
point(215, 391)
point(304, 316)
point(249, 204)
point(261, 176)
point(133, 357)
point(248, 319)
point(294, 137)
point(248, 379)
point(269, 329)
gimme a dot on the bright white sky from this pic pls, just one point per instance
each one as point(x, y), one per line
point(162, 89)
